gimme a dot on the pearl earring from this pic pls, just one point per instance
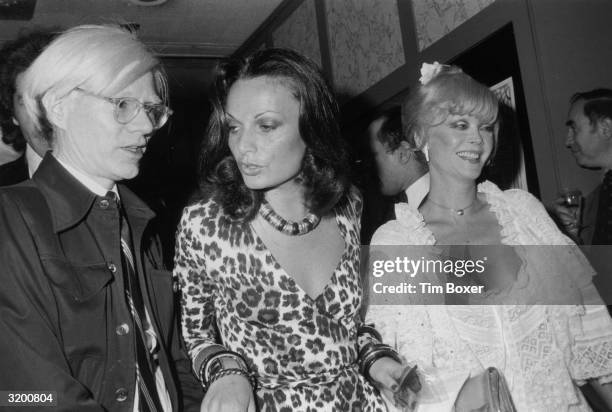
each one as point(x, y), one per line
point(425, 151)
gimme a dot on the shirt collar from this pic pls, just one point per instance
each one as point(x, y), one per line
point(417, 191)
point(33, 160)
point(87, 180)
point(70, 200)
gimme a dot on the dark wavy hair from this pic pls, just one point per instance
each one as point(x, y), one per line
point(390, 133)
point(325, 166)
point(15, 57)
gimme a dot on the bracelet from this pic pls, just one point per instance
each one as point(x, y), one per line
point(232, 371)
point(227, 372)
point(367, 348)
point(375, 357)
point(215, 363)
point(373, 352)
point(214, 350)
point(368, 328)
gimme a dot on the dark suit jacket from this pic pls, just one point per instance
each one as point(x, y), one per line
point(14, 172)
point(589, 216)
point(62, 297)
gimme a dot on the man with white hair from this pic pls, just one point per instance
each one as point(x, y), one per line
point(87, 309)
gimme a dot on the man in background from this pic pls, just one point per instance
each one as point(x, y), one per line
point(589, 137)
point(402, 170)
point(17, 130)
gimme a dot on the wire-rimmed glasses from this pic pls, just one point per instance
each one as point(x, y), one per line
point(126, 109)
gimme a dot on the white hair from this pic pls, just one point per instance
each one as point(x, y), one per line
point(102, 59)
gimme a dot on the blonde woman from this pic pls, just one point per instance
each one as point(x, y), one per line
point(544, 352)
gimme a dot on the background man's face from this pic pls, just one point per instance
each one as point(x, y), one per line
point(390, 171)
point(583, 138)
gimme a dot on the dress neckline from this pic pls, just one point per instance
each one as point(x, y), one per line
point(332, 278)
point(410, 215)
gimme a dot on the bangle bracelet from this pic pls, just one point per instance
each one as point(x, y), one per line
point(371, 354)
point(370, 330)
point(367, 348)
point(203, 355)
point(370, 348)
point(215, 363)
point(202, 368)
point(232, 371)
point(379, 355)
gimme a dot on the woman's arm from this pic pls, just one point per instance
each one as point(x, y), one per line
point(197, 290)
point(223, 374)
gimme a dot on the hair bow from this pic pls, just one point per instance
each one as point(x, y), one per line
point(429, 71)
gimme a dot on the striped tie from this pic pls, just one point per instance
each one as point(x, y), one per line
point(149, 400)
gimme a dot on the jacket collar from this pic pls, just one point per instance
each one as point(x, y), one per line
point(69, 200)
point(133, 205)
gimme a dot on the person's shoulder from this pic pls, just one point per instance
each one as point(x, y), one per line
point(13, 172)
point(22, 192)
point(350, 204)
point(407, 229)
point(22, 204)
point(512, 198)
point(389, 234)
point(522, 197)
point(204, 209)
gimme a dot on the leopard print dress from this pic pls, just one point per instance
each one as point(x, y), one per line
point(303, 351)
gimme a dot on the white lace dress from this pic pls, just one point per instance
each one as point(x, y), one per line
point(543, 351)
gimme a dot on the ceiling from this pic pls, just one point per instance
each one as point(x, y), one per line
point(178, 28)
point(189, 35)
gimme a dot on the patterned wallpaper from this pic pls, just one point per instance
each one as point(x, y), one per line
point(436, 18)
point(365, 42)
point(300, 32)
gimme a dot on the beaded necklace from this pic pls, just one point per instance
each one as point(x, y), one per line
point(285, 226)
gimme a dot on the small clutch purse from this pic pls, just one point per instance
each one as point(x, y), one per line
point(487, 392)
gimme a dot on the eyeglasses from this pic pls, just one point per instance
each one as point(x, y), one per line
point(127, 108)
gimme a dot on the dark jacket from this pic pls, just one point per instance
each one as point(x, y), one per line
point(589, 216)
point(14, 172)
point(62, 301)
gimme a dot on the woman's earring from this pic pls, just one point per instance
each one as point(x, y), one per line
point(425, 151)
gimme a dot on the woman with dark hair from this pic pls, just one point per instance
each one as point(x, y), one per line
point(268, 259)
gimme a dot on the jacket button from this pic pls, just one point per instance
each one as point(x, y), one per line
point(104, 204)
point(122, 329)
point(112, 267)
point(121, 395)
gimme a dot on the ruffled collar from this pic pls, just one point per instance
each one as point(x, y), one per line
point(414, 222)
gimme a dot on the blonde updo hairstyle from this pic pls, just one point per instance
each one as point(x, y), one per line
point(100, 59)
point(448, 92)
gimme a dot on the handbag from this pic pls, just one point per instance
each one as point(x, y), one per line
point(486, 392)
